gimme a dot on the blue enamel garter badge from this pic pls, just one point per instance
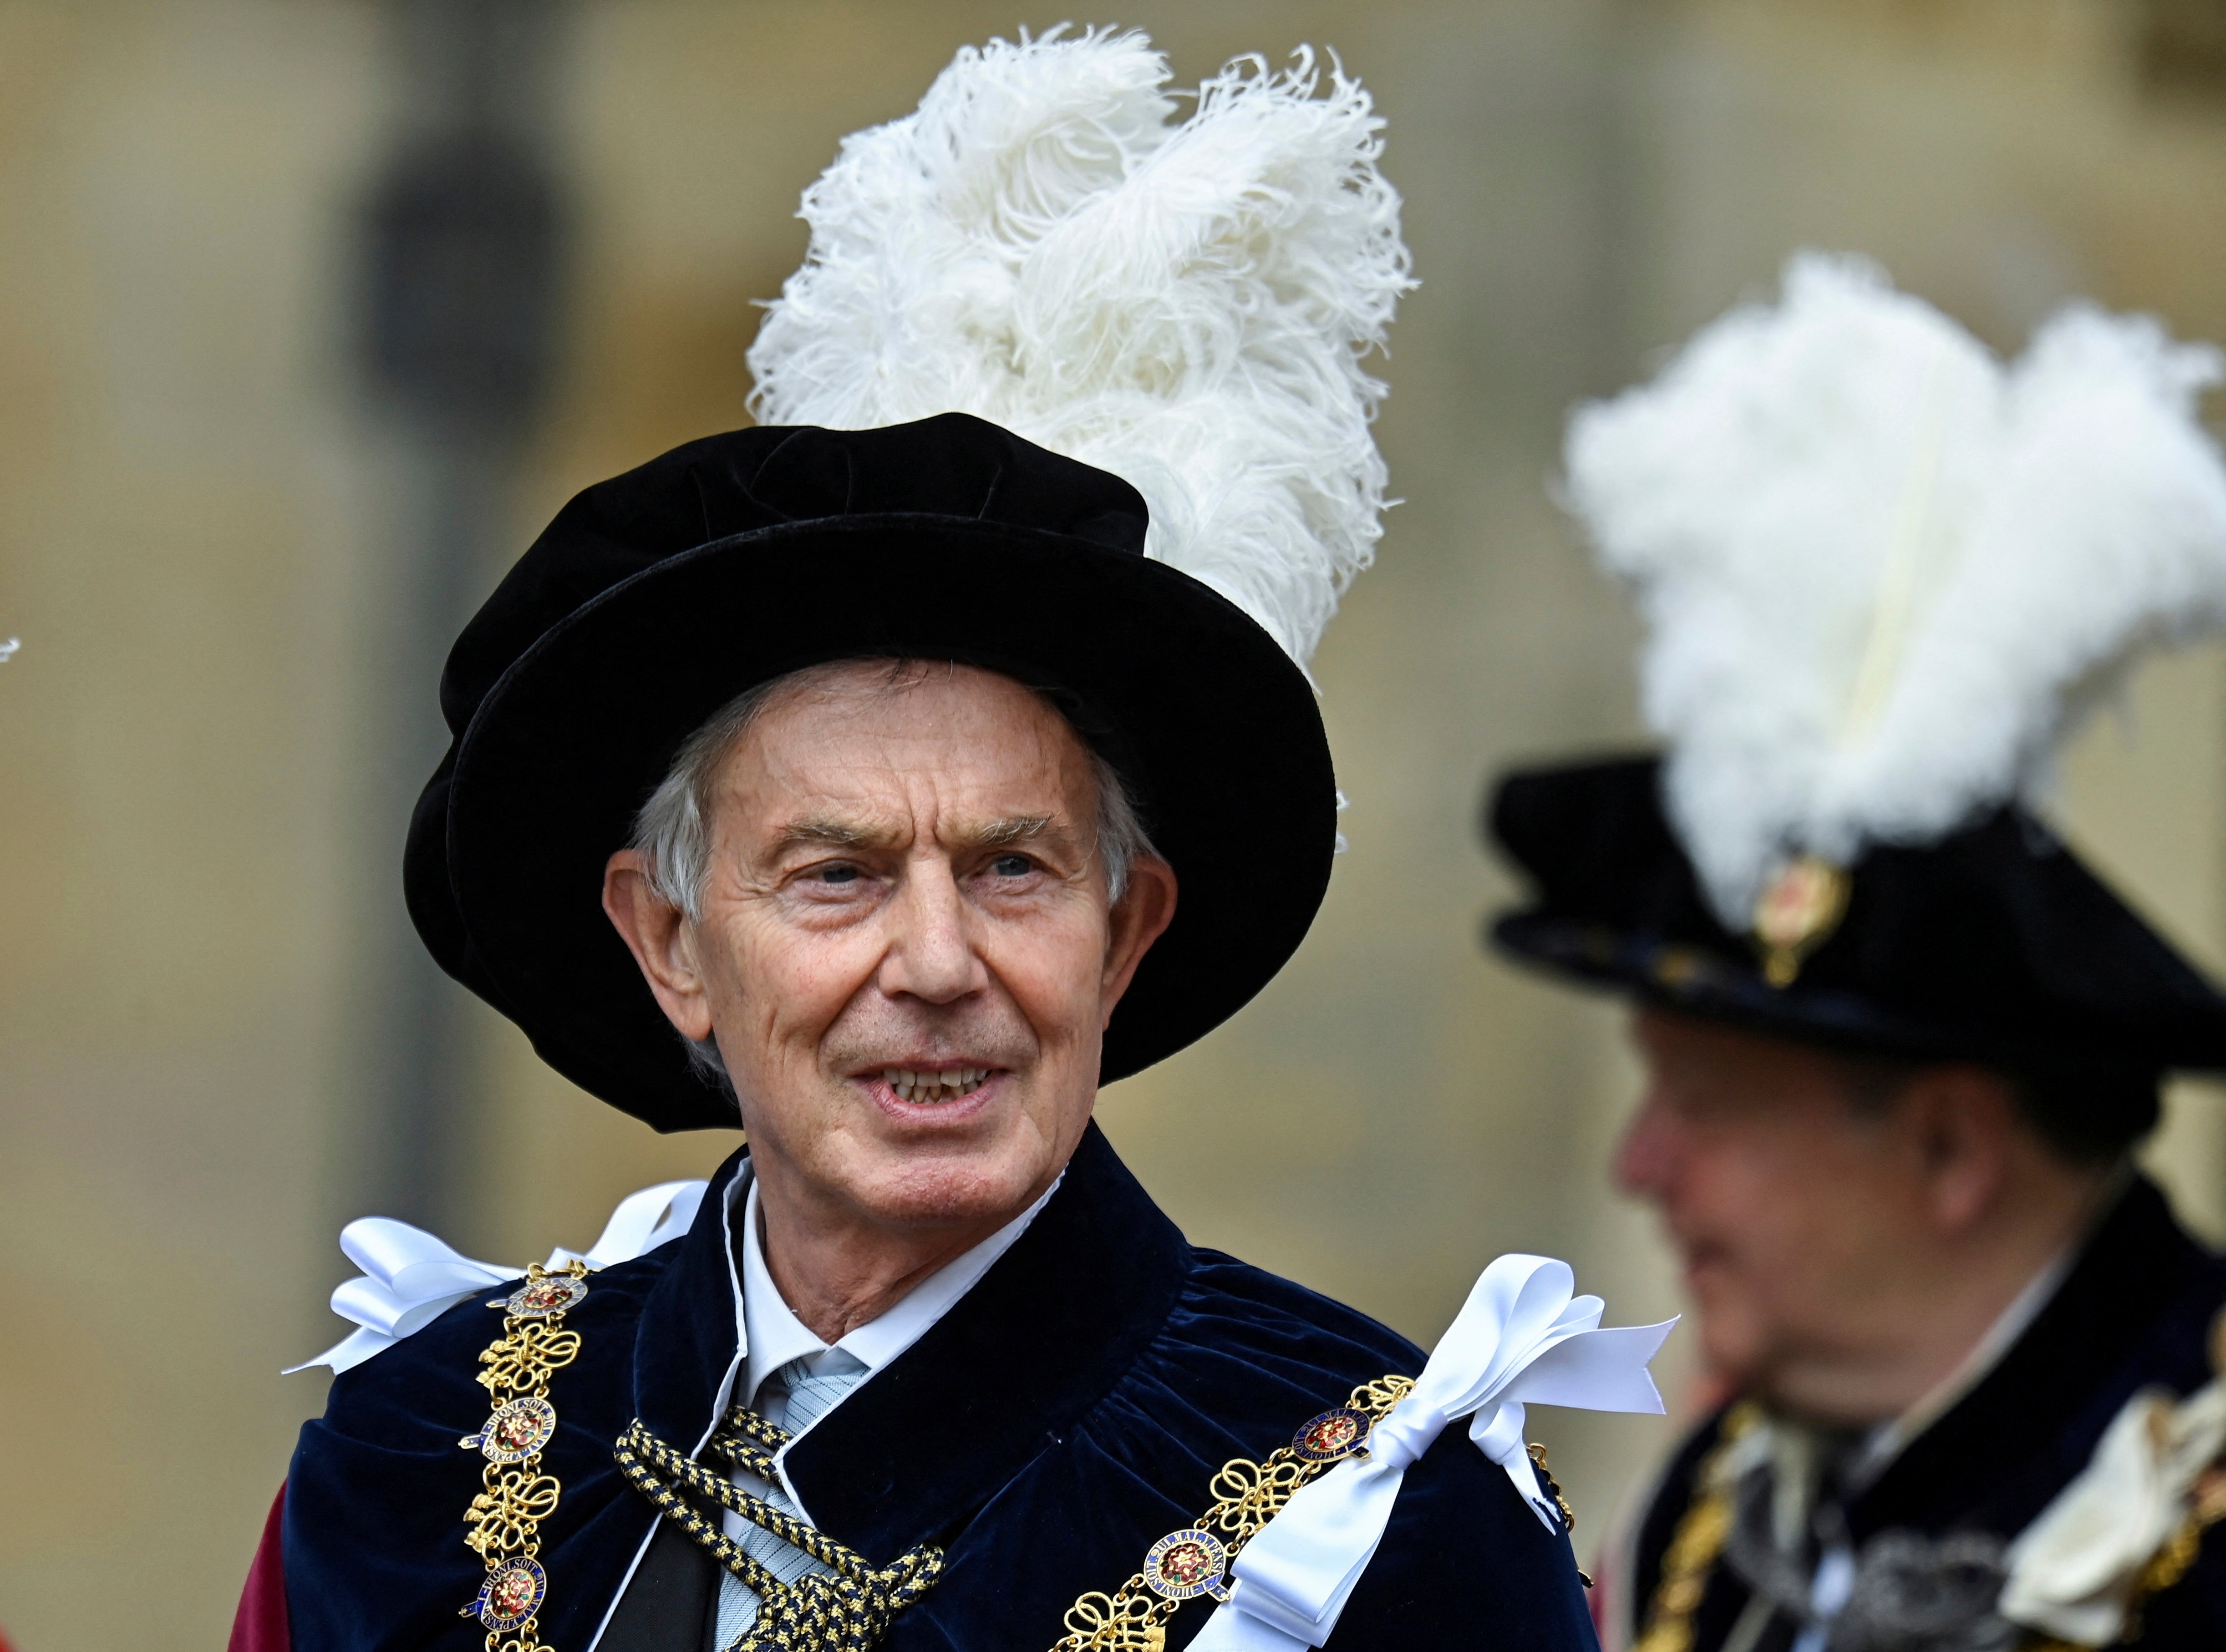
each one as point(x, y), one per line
point(511, 1594)
point(1331, 1437)
point(1186, 1563)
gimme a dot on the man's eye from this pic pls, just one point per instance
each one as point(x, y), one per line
point(837, 874)
point(1011, 866)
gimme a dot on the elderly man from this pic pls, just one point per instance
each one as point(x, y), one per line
point(964, 1372)
point(1900, 1043)
point(873, 790)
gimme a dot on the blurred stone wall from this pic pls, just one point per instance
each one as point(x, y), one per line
point(186, 543)
point(200, 529)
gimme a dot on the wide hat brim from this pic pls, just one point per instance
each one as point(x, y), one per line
point(1994, 943)
point(1211, 723)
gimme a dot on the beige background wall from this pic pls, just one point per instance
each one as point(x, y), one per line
point(199, 532)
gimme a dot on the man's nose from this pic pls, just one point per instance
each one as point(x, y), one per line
point(1646, 1157)
point(931, 955)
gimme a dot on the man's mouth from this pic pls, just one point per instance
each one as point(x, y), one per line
point(925, 1088)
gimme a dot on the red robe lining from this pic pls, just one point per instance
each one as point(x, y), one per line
point(260, 1625)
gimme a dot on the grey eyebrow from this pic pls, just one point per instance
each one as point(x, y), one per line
point(1014, 828)
point(834, 834)
point(842, 835)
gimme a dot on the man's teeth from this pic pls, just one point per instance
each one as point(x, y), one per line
point(926, 1085)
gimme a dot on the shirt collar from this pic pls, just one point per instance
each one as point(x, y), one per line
point(773, 1337)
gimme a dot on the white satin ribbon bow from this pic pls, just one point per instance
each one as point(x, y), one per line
point(1520, 1339)
point(410, 1277)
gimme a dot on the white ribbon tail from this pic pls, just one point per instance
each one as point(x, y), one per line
point(1234, 1628)
point(410, 1277)
point(642, 1222)
point(1602, 1370)
point(1596, 1370)
point(353, 1348)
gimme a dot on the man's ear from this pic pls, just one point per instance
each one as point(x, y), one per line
point(1965, 1119)
point(1147, 906)
point(655, 932)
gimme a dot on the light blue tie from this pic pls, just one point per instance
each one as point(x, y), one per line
point(793, 1398)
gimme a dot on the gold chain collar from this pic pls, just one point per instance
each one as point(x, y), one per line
point(1246, 1494)
point(851, 1610)
point(515, 1496)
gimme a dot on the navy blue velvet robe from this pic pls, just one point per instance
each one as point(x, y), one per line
point(2135, 1310)
point(1067, 1412)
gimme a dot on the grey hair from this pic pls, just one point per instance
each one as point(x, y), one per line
point(673, 832)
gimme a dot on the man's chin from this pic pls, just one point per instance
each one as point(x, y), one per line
point(931, 1186)
point(1734, 1349)
point(1735, 1363)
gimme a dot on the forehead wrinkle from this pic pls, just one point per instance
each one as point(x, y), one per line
point(837, 781)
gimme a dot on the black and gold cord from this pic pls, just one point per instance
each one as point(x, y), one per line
point(846, 1612)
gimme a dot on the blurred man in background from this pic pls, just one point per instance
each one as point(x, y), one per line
point(1900, 1043)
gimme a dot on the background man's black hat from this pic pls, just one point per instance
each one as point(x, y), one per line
point(1881, 571)
point(655, 598)
point(1994, 943)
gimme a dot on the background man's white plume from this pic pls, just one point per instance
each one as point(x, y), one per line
point(1184, 305)
point(1881, 570)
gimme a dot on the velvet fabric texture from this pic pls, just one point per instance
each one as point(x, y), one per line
point(1995, 944)
point(1064, 1414)
point(2135, 1310)
point(657, 597)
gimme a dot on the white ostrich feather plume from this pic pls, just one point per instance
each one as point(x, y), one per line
point(1883, 572)
point(1186, 305)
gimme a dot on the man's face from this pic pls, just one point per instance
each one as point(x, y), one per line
point(907, 954)
point(1795, 1211)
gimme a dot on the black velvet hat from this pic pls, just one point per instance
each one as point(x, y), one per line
point(1993, 944)
point(655, 598)
point(1882, 571)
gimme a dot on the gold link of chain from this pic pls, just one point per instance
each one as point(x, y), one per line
point(1246, 1497)
point(515, 1496)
